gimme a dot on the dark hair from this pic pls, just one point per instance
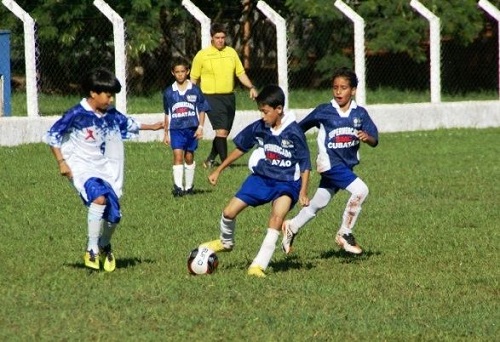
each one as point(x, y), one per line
point(347, 73)
point(101, 80)
point(178, 61)
point(271, 95)
point(217, 28)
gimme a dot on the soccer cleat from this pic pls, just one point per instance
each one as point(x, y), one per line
point(348, 243)
point(107, 258)
point(288, 237)
point(177, 192)
point(256, 271)
point(208, 164)
point(216, 246)
point(189, 191)
point(91, 260)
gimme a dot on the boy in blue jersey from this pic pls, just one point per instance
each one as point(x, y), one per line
point(185, 107)
point(343, 126)
point(280, 167)
point(87, 142)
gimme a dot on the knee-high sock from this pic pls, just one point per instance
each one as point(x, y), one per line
point(213, 152)
point(318, 202)
point(178, 171)
point(266, 249)
point(94, 223)
point(108, 230)
point(227, 227)
point(189, 174)
point(359, 192)
point(221, 146)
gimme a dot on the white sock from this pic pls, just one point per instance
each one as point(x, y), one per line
point(320, 200)
point(94, 223)
point(189, 174)
point(178, 171)
point(227, 227)
point(108, 230)
point(266, 249)
point(359, 192)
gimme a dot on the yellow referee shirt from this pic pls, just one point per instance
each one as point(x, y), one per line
point(216, 69)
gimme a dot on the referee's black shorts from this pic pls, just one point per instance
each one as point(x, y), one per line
point(223, 110)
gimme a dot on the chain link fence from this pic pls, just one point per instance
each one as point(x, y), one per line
point(315, 47)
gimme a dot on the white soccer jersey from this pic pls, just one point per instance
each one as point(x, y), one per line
point(92, 144)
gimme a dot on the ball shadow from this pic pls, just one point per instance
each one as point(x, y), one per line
point(347, 258)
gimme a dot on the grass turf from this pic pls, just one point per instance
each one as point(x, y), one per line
point(429, 272)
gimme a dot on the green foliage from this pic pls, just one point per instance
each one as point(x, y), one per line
point(429, 272)
point(75, 36)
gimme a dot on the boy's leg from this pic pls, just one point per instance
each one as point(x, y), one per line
point(225, 243)
point(94, 225)
point(106, 252)
point(107, 233)
point(291, 227)
point(280, 208)
point(345, 239)
point(189, 168)
point(320, 200)
point(178, 172)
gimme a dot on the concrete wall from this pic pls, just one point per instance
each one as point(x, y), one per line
point(389, 118)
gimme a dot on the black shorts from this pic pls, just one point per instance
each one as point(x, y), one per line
point(223, 110)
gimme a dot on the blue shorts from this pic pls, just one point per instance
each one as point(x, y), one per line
point(183, 139)
point(95, 187)
point(257, 190)
point(338, 177)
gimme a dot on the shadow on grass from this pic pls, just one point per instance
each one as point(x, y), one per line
point(233, 165)
point(120, 263)
point(291, 262)
point(197, 191)
point(348, 258)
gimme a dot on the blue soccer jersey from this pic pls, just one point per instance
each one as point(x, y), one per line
point(184, 107)
point(92, 144)
point(280, 154)
point(338, 143)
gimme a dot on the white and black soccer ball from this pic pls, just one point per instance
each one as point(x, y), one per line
point(202, 260)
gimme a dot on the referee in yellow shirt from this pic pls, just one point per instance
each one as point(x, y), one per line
point(214, 69)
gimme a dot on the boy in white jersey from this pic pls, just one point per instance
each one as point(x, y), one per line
point(184, 106)
point(280, 167)
point(87, 145)
point(343, 126)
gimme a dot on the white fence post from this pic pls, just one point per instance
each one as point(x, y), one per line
point(359, 49)
point(495, 13)
point(435, 38)
point(281, 45)
point(29, 56)
point(202, 19)
point(120, 55)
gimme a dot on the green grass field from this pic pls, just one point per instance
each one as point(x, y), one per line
point(430, 271)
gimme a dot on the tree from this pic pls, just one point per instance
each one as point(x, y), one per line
point(74, 36)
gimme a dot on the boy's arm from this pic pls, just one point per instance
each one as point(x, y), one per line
point(234, 155)
point(151, 127)
point(366, 138)
point(166, 125)
point(64, 169)
point(303, 199)
point(199, 131)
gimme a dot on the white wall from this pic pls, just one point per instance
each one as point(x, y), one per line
point(389, 118)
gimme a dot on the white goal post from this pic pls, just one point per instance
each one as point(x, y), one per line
point(120, 55)
point(29, 56)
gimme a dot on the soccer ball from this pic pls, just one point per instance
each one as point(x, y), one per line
point(202, 260)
